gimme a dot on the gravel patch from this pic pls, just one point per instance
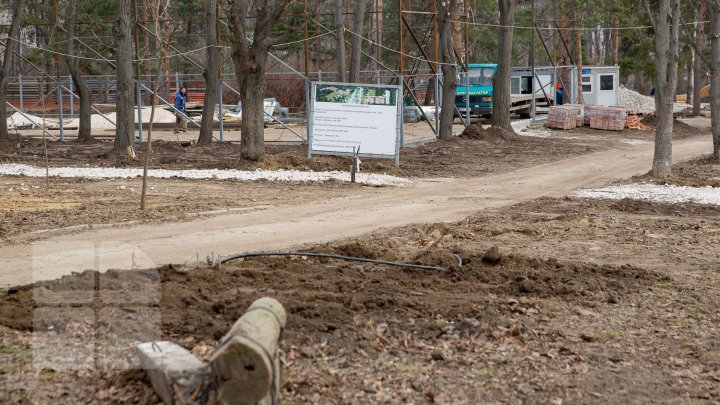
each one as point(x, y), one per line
point(197, 174)
point(657, 193)
point(642, 103)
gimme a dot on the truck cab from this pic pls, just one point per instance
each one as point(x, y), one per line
point(480, 76)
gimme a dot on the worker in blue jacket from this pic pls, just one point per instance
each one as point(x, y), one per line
point(559, 95)
point(180, 113)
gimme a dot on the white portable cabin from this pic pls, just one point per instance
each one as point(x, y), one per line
point(600, 85)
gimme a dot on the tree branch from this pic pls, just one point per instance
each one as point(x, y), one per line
point(651, 15)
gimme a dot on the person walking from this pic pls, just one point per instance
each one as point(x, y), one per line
point(180, 113)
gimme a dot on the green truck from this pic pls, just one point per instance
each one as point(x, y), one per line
point(479, 87)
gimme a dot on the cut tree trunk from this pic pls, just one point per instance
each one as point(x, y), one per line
point(358, 24)
point(125, 121)
point(501, 80)
point(446, 9)
point(210, 74)
point(10, 46)
point(85, 128)
point(245, 363)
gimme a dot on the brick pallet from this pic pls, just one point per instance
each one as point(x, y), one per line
point(563, 116)
point(580, 116)
point(608, 118)
point(591, 111)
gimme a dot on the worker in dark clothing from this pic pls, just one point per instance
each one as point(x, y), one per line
point(559, 95)
point(180, 113)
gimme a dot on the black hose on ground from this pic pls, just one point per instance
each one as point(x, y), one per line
point(330, 256)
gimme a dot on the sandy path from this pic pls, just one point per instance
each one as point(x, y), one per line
point(428, 200)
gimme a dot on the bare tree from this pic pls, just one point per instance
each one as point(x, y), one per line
point(85, 129)
point(125, 121)
point(250, 61)
point(446, 9)
point(666, 72)
point(501, 80)
point(154, 83)
point(340, 41)
point(715, 77)
point(358, 24)
point(10, 46)
point(210, 73)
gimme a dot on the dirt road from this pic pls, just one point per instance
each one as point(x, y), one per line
point(427, 200)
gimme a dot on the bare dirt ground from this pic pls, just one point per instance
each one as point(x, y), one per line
point(557, 300)
point(28, 207)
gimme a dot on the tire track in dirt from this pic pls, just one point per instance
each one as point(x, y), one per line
point(425, 201)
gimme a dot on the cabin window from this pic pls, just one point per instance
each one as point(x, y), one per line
point(587, 84)
point(607, 82)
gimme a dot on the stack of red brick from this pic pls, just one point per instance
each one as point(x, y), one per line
point(563, 116)
point(607, 118)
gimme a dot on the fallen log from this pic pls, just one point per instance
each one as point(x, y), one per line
point(246, 364)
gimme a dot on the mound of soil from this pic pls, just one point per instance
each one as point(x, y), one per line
point(320, 293)
point(702, 172)
point(491, 134)
point(680, 129)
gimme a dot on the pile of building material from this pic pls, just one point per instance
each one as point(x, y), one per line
point(633, 122)
point(635, 101)
point(638, 103)
point(609, 118)
point(563, 116)
point(591, 111)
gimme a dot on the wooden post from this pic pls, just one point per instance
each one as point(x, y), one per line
point(245, 364)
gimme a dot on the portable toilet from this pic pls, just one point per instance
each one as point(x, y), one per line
point(600, 85)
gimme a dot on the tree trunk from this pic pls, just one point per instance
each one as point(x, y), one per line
point(666, 69)
point(457, 29)
point(715, 79)
point(446, 9)
point(125, 121)
point(690, 76)
point(85, 129)
point(698, 66)
point(358, 24)
point(501, 81)
point(10, 47)
point(378, 19)
point(340, 42)
point(252, 128)
point(579, 58)
point(210, 74)
point(250, 62)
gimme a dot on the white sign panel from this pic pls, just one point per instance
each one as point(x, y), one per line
point(347, 116)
